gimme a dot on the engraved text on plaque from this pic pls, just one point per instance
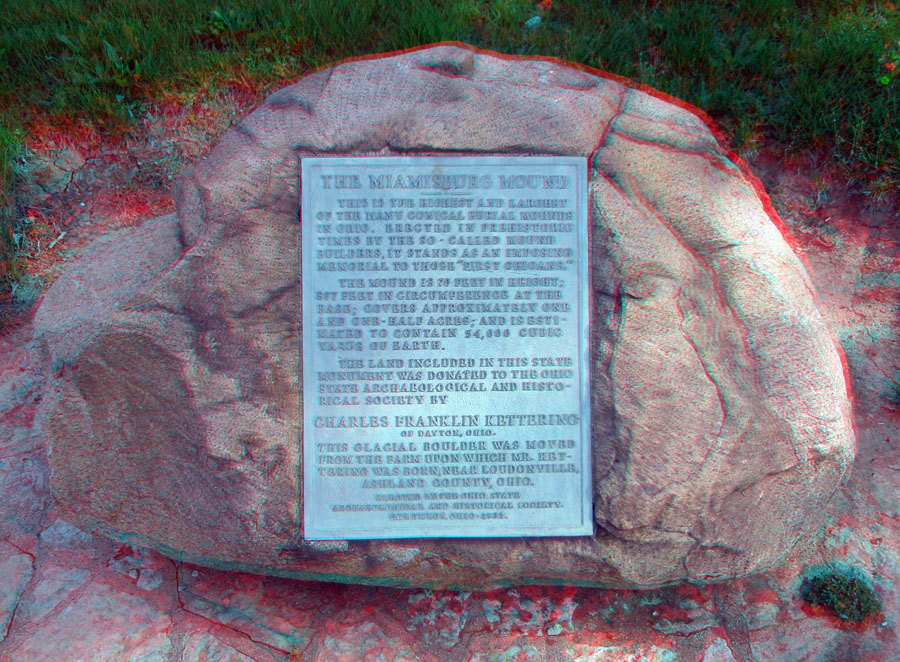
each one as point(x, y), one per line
point(445, 347)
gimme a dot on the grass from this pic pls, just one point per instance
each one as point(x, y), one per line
point(843, 590)
point(10, 148)
point(800, 73)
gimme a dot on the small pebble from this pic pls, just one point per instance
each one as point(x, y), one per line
point(532, 22)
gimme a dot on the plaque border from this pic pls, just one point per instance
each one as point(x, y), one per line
point(584, 256)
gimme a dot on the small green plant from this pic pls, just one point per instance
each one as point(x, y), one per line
point(882, 186)
point(889, 62)
point(224, 26)
point(844, 590)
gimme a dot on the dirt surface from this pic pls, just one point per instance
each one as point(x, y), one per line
point(79, 186)
point(66, 596)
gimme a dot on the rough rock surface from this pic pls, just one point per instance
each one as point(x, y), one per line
point(722, 422)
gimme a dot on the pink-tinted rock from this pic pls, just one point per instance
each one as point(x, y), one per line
point(16, 569)
point(721, 418)
point(52, 171)
point(93, 622)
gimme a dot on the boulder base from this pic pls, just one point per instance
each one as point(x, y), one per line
point(721, 416)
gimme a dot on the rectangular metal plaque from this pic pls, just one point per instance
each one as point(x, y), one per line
point(445, 347)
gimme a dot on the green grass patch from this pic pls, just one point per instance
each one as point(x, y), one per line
point(808, 75)
point(10, 149)
point(802, 73)
point(845, 591)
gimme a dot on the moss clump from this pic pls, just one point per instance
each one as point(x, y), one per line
point(844, 590)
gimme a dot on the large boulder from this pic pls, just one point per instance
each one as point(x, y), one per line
point(721, 417)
